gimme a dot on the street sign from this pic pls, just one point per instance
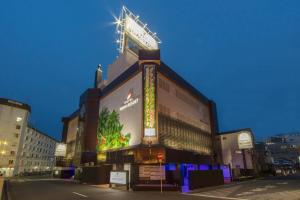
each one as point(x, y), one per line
point(160, 157)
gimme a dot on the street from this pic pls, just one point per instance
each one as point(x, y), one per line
point(260, 189)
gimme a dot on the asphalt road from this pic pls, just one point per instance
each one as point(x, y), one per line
point(46, 189)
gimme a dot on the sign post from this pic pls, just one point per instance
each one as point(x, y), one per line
point(160, 158)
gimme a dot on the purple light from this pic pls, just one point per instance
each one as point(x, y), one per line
point(203, 167)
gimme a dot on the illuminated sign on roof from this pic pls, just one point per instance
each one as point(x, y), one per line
point(132, 30)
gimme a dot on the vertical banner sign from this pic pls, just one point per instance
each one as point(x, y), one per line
point(149, 101)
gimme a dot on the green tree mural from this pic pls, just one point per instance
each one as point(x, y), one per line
point(109, 131)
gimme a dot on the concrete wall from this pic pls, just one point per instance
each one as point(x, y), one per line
point(179, 104)
point(123, 62)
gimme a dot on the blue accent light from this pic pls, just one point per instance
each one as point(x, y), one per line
point(203, 167)
point(170, 167)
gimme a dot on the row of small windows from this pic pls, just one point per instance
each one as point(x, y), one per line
point(39, 142)
point(163, 85)
point(32, 155)
point(38, 149)
point(36, 163)
point(38, 135)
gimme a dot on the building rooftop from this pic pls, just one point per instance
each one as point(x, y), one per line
point(13, 103)
point(31, 127)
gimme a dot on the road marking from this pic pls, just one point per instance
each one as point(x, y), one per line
point(283, 183)
point(244, 193)
point(210, 196)
point(79, 194)
point(259, 189)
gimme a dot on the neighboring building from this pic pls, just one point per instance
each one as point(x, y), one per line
point(71, 139)
point(22, 147)
point(263, 156)
point(143, 109)
point(285, 148)
point(13, 122)
point(237, 151)
point(37, 152)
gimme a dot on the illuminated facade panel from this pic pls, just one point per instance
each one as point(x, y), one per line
point(126, 101)
point(149, 101)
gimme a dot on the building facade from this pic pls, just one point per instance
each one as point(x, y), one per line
point(22, 147)
point(143, 109)
point(238, 152)
point(285, 148)
point(37, 153)
point(13, 122)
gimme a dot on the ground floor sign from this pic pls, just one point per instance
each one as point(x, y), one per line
point(119, 178)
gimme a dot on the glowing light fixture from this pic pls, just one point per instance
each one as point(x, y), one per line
point(19, 119)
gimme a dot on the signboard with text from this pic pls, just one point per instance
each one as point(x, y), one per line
point(60, 149)
point(118, 177)
point(152, 172)
point(245, 140)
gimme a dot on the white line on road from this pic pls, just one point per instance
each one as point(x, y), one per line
point(210, 196)
point(79, 194)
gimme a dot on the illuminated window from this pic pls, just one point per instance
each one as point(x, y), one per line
point(19, 119)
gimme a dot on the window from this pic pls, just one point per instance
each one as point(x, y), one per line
point(10, 162)
point(16, 135)
point(12, 153)
point(163, 85)
point(18, 127)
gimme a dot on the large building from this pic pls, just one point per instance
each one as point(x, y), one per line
point(37, 152)
point(143, 109)
point(22, 147)
point(13, 122)
point(285, 148)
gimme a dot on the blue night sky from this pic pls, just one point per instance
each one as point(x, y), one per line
point(245, 55)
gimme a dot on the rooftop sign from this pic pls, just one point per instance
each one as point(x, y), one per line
point(133, 33)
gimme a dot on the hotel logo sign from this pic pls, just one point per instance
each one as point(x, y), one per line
point(245, 140)
point(134, 30)
point(131, 28)
point(131, 100)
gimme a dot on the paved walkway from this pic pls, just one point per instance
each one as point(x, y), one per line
point(263, 189)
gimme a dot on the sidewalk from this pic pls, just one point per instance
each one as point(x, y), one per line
point(228, 185)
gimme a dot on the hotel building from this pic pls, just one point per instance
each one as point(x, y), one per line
point(143, 109)
point(22, 147)
point(37, 152)
point(13, 122)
